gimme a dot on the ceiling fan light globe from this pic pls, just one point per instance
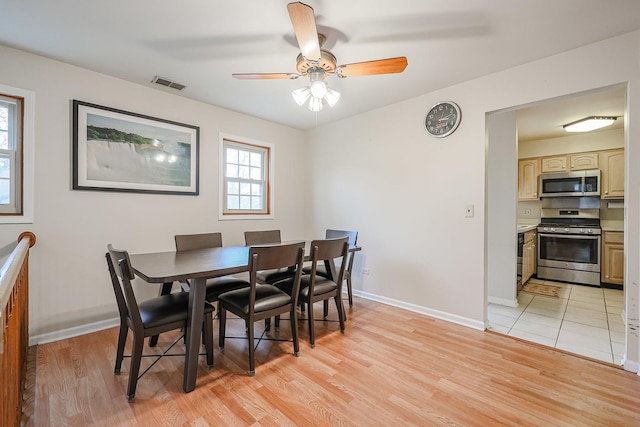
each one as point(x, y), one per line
point(315, 104)
point(318, 89)
point(301, 95)
point(332, 97)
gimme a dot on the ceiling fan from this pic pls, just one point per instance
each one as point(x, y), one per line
point(318, 63)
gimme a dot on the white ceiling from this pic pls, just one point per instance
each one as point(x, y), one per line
point(200, 44)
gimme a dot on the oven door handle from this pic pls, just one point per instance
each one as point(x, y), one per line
point(571, 236)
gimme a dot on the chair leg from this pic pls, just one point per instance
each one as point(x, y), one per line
point(252, 361)
point(312, 333)
point(122, 340)
point(325, 305)
point(349, 292)
point(340, 308)
point(136, 356)
point(294, 332)
point(277, 322)
point(222, 323)
point(207, 330)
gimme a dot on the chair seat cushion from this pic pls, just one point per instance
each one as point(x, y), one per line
point(220, 285)
point(167, 309)
point(267, 297)
point(320, 270)
point(322, 286)
point(272, 276)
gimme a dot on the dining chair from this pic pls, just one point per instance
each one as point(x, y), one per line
point(322, 271)
point(215, 286)
point(263, 301)
point(314, 287)
point(253, 238)
point(148, 318)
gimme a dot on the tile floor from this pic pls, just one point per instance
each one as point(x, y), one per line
point(583, 320)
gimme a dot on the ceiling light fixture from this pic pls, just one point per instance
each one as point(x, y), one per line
point(318, 91)
point(589, 123)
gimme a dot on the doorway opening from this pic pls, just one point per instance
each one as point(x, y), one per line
point(585, 320)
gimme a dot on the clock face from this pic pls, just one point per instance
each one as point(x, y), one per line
point(443, 119)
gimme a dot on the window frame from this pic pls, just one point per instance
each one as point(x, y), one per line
point(24, 156)
point(268, 163)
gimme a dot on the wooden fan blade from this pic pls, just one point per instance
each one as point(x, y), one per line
point(265, 76)
point(304, 25)
point(381, 66)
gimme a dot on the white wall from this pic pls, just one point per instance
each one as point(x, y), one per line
point(405, 192)
point(502, 179)
point(69, 282)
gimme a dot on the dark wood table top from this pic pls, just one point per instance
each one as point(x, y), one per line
point(163, 267)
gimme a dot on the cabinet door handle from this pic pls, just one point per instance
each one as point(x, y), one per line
point(606, 192)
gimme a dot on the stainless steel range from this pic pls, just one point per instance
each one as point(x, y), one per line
point(569, 240)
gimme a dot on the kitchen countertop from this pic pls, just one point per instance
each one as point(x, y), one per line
point(612, 225)
point(523, 228)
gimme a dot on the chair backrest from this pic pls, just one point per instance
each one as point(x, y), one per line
point(262, 237)
point(121, 275)
point(274, 257)
point(329, 249)
point(352, 235)
point(189, 242)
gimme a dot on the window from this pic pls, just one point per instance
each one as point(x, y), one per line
point(245, 178)
point(16, 155)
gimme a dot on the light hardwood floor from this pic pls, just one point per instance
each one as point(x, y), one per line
point(392, 367)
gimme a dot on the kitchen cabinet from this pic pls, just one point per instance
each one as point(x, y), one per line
point(528, 171)
point(612, 178)
point(554, 164)
point(570, 162)
point(612, 257)
point(529, 256)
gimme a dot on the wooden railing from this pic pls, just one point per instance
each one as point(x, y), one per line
point(14, 325)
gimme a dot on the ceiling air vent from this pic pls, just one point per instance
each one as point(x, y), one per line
point(168, 83)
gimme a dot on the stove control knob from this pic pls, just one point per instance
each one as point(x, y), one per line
point(590, 231)
point(566, 230)
point(582, 230)
point(552, 229)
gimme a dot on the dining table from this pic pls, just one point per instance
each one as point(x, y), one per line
point(197, 266)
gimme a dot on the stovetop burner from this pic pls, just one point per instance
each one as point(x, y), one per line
point(570, 222)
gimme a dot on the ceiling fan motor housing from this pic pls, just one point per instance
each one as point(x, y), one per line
point(327, 62)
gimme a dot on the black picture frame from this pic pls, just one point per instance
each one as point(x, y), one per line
point(116, 150)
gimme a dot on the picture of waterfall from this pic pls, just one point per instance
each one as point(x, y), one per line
point(119, 151)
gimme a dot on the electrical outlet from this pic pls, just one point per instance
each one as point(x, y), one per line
point(468, 211)
point(527, 212)
point(365, 271)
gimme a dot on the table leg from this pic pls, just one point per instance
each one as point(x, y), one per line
point(165, 289)
point(192, 334)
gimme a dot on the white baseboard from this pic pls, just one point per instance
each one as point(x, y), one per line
point(502, 301)
point(73, 332)
point(459, 320)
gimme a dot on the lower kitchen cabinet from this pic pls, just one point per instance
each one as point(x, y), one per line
point(528, 256)
point(612, 257)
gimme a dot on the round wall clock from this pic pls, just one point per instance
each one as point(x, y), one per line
point(443, 118)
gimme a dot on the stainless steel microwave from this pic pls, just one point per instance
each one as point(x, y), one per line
point(570, 184)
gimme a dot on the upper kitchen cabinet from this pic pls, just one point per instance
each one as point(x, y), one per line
point(528, 171)
point(570, 162)
point(612, 167)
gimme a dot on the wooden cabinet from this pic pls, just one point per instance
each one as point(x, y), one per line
point(612, 180)
point(612, 257)
point(528, 171)
point(570, 162)
point(554, 164)
point(529, 256)
point(582, 161)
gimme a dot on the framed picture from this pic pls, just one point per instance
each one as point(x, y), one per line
point(115, 150)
